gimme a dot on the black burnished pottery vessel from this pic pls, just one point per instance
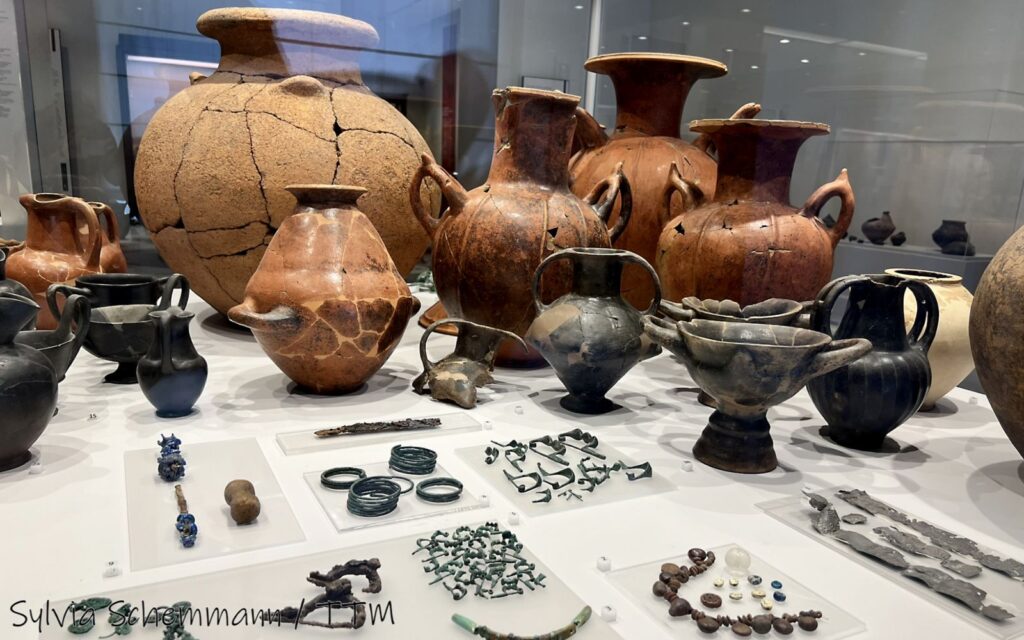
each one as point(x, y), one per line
point(109, 290)
point(591, 336)
point(13, 286)
point(61, 345)
point(124, 333)
point(28, 385)
point(877, 230)
point(172, 374)
point(747, 369)
point(876, 393)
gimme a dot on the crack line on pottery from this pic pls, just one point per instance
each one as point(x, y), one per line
point(274, 115)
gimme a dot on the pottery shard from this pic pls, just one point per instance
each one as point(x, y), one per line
point(284, 153)
point(229, 165)
point(319, 340)
point(156, 186)
point(373, 159)
point(342, 315)
point(226, 242)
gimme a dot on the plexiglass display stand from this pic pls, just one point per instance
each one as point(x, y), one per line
point(418, 610)
point(152, 508)
point(1001, 590)
point(410, 506)
point(636, 582)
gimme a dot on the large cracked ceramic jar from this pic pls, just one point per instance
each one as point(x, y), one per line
point(286, 105)
point(997, 336)
point(650, 92)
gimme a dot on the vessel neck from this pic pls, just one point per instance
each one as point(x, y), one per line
point(52, 223)
point(875, 312)
point(330, 200)
point(597, 275)
point(752, 167)
point(533, 137)
point(649, 104)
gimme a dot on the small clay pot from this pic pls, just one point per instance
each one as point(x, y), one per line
point(241, 497)
point(878, 230)
point(951, 231)
point(898, 238)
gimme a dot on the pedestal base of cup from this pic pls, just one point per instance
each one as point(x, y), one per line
point(736, 444)
point(124, 374)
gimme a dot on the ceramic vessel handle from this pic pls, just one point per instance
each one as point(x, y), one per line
point(821, 313)
point(113, 230)
point(666, 333)
point(565, 254)
point(676, 183)
point(428, 364)
point(589, 133)
point(90, 251)
point(836, 354)
point(164, 327)
point(926, 322)
point(629, 256)
point(705, 143)
point(174, 282)
point(602, 197)
point(675, 311)
point(82, 314)
point(840, 187)
point(65, 290)
point(451, 188)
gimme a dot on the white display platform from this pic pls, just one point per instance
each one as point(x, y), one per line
point(209, 467)
point(410, 506)
point(636, 582)
point(1002, 590)
point(418, 610)
point(66, 522)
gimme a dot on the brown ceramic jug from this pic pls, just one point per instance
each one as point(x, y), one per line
point(650, 92)
point(55, 249)
point(326, 302)
point(490, 241)
point(112, 258)
point(748, 244)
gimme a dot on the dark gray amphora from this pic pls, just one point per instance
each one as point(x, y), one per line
point(591, 336)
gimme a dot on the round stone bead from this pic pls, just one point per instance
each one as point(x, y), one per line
point(679, 607)
point(754, 579)
point(733, 582)
point(776, 584)
point(736, 595)
point(711, 601)
point(741, 629)
point(767, 604)
point(719, 582)
point(696, 555)
point(660, 589)
point(757, 593)
point(782, 626)
point(670, 568)
point(807, 623)
point(779, 596)
point(761, 623)
point(737, 561)
point(708, 624)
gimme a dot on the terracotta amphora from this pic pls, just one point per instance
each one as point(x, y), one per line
point(650, 92)
point(112, 258)
point(490, 241)
point(55, 250)
point(747, 244)
point(286, 105)
point(327, 303)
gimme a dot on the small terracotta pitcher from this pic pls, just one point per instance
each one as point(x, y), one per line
point(55, 251)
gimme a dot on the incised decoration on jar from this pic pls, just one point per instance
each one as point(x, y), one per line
point(286, 105)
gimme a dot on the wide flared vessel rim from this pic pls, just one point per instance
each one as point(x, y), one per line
point(539, 93)
point(605, 62)
point(816, 338)
point(321, 28)
point(805, 128)
point(925, 275)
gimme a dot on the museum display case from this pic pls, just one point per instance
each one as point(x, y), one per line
point(511, 319)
